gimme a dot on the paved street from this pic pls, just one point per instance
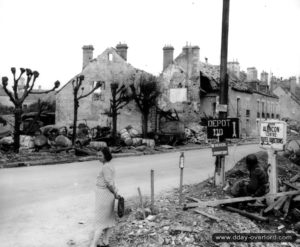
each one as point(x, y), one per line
point(49, 205)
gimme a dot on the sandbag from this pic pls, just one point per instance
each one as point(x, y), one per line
point(7, 140)
point(98, 146)
point(40, 141)
point(62, 141)
point(133, 132)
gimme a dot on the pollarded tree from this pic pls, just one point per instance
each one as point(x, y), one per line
point(77, 85)
point(145, 92)
point(120, 98)
point(17, 97)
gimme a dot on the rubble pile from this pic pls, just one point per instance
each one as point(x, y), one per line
point(292, 151)
point(195, 133)
point(171, 226)
point(293, 126)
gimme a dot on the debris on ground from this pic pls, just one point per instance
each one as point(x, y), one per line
point(172, 226)
point(195, 133)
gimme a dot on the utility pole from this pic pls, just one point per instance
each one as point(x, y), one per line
point(220, 160)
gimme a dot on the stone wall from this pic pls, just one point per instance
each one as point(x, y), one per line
point(174, 77)
point(107, 67)
point(289, 108)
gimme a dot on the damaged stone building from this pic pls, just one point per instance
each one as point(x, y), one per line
point(110, 66)
point(288, 92)
point(289, 103)
point(191, 87)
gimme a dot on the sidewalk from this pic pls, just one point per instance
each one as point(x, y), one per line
point(48, 158)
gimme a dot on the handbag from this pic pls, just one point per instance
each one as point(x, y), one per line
point(121, 206)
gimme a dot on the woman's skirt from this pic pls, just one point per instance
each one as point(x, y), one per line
point(104, 208)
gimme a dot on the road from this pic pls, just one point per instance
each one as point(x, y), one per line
point(51, 205)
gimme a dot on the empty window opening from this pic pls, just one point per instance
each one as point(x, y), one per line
point(110, 57)
point(247, 113)
point(238, 107)
point(98, 93)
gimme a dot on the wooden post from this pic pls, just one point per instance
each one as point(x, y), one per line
point(272, 173)
point(141, 202)
point(180, 186)
point(220, 160)
point(220, 171)
point(152, 189)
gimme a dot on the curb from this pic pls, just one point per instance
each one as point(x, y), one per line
point(117, 155)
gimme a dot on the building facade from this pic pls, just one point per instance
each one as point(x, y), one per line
point(197, 88)
point(289, 104)
point(110, 66)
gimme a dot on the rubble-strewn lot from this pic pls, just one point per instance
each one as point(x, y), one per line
point(168, 224)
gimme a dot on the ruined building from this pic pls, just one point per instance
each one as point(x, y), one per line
point(191, 87)
point(110, 66)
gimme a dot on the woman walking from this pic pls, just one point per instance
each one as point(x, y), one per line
point(106, 193)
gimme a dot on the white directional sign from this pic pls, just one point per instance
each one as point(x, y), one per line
point(273, 134)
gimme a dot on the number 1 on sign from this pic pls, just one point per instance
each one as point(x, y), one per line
point(234, 129)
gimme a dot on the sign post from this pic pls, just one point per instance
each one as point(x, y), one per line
point(221, 129)
point(223, 102)
point(272, 137)
point(181, 166)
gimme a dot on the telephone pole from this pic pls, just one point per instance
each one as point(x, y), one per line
point(220, 160)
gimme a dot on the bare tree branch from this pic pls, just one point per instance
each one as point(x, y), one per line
point(98, 85)
point(9, 93)
point(56, 85)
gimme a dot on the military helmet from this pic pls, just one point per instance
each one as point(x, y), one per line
point(251, 160)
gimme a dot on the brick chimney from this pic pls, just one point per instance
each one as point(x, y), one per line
point(87, 55)
point(234, 67)
point(195, 60)
point(251, 74)
point(168, 53)
point(122, 50)
point(264, 76)
point(191, 54)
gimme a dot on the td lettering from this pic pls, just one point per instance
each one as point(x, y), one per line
point(218, 132)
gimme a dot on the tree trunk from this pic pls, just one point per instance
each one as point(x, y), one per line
point(145, 124)
point(18, 121)
point(114, 115)
point(114, 125)
point(76, 105)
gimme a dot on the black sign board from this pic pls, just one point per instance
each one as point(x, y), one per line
point(224, 128)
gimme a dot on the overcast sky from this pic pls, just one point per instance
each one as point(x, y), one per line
point(48, 35)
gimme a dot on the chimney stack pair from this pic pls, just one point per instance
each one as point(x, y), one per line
point(88, 53)
point(191, 57)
